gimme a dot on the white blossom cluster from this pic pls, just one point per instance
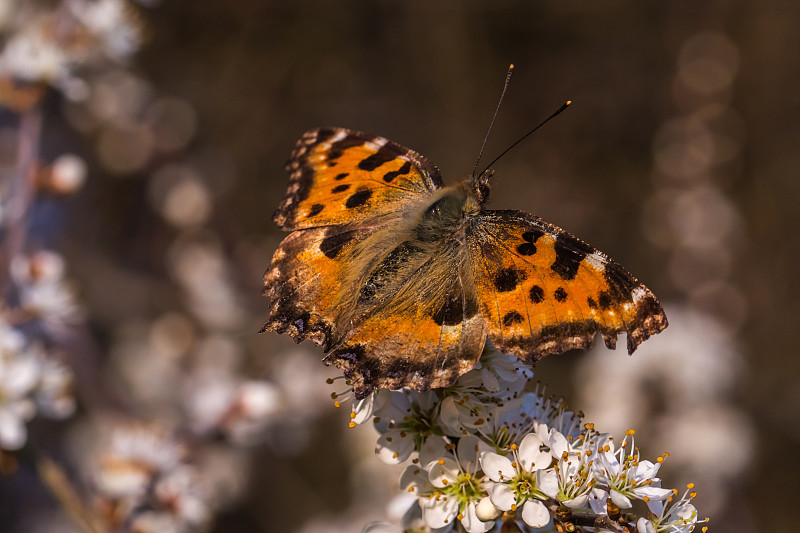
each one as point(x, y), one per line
point(52, 42)
point(488, 452)
point(144, 479)
point(33, 379)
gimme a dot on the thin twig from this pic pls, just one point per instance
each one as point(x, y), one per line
point(61, 487)
point(22, 190)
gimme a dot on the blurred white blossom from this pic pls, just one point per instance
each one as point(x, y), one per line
point(44, 293)
point(57, 42)
point(31, 382)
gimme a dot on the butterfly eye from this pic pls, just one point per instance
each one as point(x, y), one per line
point(435, 209)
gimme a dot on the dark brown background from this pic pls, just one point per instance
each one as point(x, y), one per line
point(427, 75)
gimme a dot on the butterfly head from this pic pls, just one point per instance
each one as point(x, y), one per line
point(480, 184)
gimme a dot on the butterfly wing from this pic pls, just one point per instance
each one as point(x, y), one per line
point(423, 331)
point(345, 187)
point(304, 282)
point(339, 176)
point(543, 291)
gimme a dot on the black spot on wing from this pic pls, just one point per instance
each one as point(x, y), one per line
point(537, 294)
point(453, 311)
point(359, 198)
point(511, 318)
point(316, 209)
point(375, 160)
point(620, 283)
point(339, 147)
point(340, 188)
point(591, 302)
point(529, 246)
point(323, 135)
point(560, 294)
point(604, 300)
point(391, 175)
point(340, 177)
point(332, 244)
point(569, 254)
point(506, 279)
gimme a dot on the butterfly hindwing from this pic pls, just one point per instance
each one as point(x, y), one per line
point(340, 176)
point(423, 336)
point(303, 282)
point(543, 291)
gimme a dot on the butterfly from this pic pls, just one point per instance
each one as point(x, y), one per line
point(401, 279)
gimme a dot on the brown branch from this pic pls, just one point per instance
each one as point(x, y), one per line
point(565, 517)
point(62, 489)
point(22, 190)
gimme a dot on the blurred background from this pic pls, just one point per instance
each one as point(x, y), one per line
point(679, 158)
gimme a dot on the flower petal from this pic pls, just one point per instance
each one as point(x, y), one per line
point(12, 432)
point(535, 514)
point(472, 523)
point(645, 526)
point(547, 481)
point(448, 417)
point(502, 496)
point(414, 479)
point(652, 493)
point(432, 449)
point(490, 382)
point(558, 444)
point(620, 500)
point(468, 449)
point(497, 467)
point(443, 472)
point(438, 511)
point(486, 510)
point(577, 503)
point(382, 527)
point(394, 447)
point(598, 501)
point(530, 455)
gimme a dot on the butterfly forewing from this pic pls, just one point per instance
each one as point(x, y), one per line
point(339, 176)
point(543, 291)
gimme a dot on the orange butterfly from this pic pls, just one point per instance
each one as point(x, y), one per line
point(401, 279)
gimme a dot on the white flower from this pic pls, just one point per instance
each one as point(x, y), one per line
point(43, 292)
point(573, 483)
point(135, 455)
point(627, 476)
point(456, 491)
point(503, 374)
point(524, 481)
point(32, 55)
point(679, 517)
point(408, 422)
point(110, 23)
point(178, 491)
point(20, 371)
point(54, 392)
point(510, 422)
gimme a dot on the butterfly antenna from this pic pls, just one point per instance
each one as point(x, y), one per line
point(542, 123)
point(505, 86)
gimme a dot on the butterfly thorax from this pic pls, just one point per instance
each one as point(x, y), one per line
point(447, 213)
